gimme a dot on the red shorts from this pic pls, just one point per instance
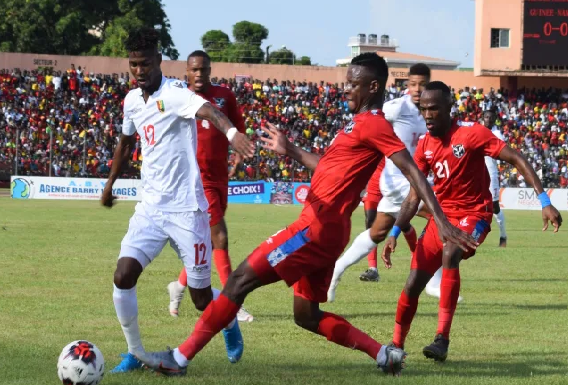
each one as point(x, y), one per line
point(373, 194)
point(429, 249)
point(303, 255)
point(217, 196)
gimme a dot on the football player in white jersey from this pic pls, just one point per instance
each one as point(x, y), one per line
point(409, 126)
point(173, 208)
point(489, 118)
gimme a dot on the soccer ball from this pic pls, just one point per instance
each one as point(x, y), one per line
point(81, 363)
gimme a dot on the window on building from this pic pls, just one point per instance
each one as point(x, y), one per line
point(499, 38)
point(355, 51)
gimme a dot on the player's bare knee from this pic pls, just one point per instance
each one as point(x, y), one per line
point(201, 302)
point(378, 234)
point(496, 207)
point(241, 282)
point(127, 272)
point(306, 321)
point(220, 240)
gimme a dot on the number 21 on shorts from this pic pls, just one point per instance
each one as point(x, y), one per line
point(442, 169)
point(200, 252)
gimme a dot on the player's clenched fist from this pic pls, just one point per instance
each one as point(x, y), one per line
point(107, 198)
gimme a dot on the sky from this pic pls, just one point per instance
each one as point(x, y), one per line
point(320, 29)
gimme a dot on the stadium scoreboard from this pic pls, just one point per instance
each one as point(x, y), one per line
point(545, 34)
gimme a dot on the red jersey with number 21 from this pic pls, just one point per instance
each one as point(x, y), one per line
point(461, 180)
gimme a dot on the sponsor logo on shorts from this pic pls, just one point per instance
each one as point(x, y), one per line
point(463, 222)
point(276, 256)
point(200, 268)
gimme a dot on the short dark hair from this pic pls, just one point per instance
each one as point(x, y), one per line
point(199, 53)
point(438, 86)
point(142, 39)
point(375, 63)
point(419, 69)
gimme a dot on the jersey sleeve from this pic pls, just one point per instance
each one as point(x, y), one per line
point(498, 134)
point(235, 114)
point(420, 159)
point(128, 127)
point(190, 104)
point(482, 138)
point(392, 110)
point(382, 138)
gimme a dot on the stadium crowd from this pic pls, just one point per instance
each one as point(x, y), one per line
point(80, 112)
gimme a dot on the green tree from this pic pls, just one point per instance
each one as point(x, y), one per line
point(216, 44)
point(251, 33)
point(304, 61)
point(79, 27)
point(282, 56)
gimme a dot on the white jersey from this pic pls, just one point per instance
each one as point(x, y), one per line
point(409, 126)
point(489, 161)
point(171, 180)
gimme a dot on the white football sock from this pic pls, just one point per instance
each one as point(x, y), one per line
point(500, 219)
point(180, 358)
point(361, 246)
point(436, 279)
point(126, 305)
point(216, 293)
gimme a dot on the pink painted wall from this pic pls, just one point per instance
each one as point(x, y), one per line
point(498, 14)
point(106, 65)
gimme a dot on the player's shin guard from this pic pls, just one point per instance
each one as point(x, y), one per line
point(216, 294)
point(182, 279)
point(372, 258)
point(336, 329)
point(450, 291)
point(216, 316)
point(222, 264)
point(126, 305)
point(411, 238)
point(405, 311)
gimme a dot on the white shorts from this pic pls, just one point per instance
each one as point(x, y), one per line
point(393, 196)
point(494, 187)
point(188, 232)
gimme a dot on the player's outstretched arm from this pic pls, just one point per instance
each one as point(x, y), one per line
point(277, 142)
point(448, 233)
point(238, 140)
point(549, 212)
point(120, 159)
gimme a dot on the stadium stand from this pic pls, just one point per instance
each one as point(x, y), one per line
point(81, 113)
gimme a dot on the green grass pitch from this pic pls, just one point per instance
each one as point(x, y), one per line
point(56, 264)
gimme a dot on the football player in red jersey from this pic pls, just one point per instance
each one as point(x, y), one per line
point(304, 254)
point(212, 156)
point(455, 153)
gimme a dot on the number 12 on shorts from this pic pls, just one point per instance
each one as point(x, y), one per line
point(200, 251)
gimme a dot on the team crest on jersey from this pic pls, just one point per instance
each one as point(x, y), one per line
point(220, 102)
point(161, 106)
point(459, 150)
point(349, 128)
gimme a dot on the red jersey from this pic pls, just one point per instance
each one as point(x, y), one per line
point(345, 168)
point(461, 180)
point(212, 145)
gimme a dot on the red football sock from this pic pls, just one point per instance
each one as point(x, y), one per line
point(337, 329)
point(223, 264)
point(217, 315)
point(372, 258)
point(411, 239)
point(449, 293)
point(182, 279)
point(405, 311)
